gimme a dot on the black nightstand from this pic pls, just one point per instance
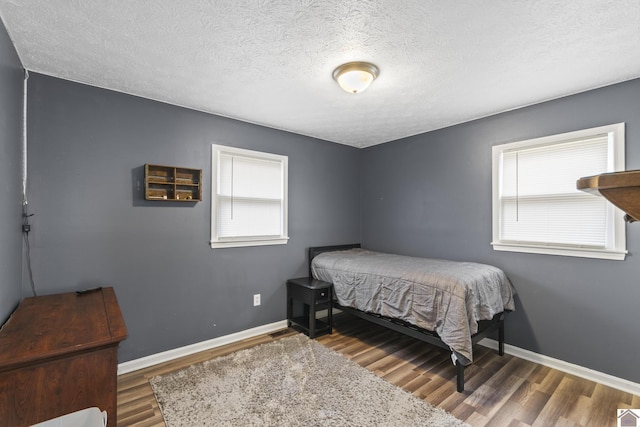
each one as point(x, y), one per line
point(315, 295)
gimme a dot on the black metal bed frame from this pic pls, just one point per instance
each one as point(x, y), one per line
point(485, 327)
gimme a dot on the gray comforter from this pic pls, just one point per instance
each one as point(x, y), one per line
point(447, 297)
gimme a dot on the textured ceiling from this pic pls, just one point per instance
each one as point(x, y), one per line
point(270, 62)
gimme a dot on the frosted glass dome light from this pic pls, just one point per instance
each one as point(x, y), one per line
point(355, 77)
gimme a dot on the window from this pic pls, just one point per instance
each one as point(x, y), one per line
point(536, 206)
point(248, 198)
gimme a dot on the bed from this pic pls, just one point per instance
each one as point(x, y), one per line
point(449, 304)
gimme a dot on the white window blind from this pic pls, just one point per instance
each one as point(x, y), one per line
point(537, 207)
point(249, 198)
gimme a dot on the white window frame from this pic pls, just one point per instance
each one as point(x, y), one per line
point(616, 248)
point(240, 241)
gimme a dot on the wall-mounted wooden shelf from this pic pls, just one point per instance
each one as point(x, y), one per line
point(171, 183)
point(620, 188)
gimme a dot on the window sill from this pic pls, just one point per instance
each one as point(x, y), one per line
point(616, 255)
point(245, 243)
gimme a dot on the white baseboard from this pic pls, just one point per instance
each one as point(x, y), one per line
point(579, 371)
point(165, 356)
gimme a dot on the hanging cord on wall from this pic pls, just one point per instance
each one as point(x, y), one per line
point(26, 227)
point(24, 138)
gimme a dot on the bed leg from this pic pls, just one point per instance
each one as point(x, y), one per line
point(501, 337)
point(460, 376)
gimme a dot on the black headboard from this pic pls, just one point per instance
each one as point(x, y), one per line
point(320, 249)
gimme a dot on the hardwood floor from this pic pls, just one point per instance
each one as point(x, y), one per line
point(500, 391)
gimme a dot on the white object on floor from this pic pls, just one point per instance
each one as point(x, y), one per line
point(90, 417)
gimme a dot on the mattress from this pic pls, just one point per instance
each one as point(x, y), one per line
point(446, 297)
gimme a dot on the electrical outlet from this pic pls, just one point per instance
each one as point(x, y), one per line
point(256, 300)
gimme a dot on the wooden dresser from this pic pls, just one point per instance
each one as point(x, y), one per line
point(58, 354)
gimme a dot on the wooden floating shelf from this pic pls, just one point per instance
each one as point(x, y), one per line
point(171, 183)
point(620, 188)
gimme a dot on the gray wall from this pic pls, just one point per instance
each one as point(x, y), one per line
point(430, 195)
point(87, 148)
point(11, 77)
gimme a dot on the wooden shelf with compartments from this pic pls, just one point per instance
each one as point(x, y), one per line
point(171, 183)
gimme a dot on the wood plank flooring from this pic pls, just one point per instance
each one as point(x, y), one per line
point(499, 391)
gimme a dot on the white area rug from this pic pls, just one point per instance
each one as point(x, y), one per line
point(293, 381)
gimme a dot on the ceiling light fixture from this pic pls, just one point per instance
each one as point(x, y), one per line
point(355, 77)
